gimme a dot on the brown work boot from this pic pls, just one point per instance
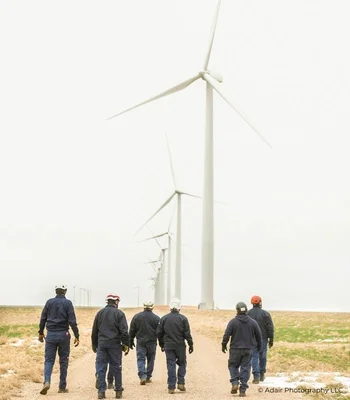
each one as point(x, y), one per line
point(118, 394)
point(181, 387)
point(63, 390)
point(242, 394)
point(256, 380)
point(262, 377)
point(45, 388)
point(171, 391)
point(110, 386)
point(143, 381)
point(101, 395)
point(234, 389)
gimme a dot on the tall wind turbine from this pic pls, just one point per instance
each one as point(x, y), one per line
point(178, 193)
point(212, 80)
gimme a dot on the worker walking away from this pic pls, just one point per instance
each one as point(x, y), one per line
point(259, 358)
point(109, 339)
point(143, 326)
point(57, 315)
point(245, 334)
point(173, 330)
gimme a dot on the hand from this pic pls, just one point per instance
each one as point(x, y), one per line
point(41, 338)
point(132, 344)
point(76, 342)
point(270, 343)
point(224, 348)
point(94, 349)
point(190, 348)
point(126, 349)
point(162, 349)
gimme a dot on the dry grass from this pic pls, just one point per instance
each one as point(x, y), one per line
point(299, 344)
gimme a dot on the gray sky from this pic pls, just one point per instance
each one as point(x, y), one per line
point(74, 186)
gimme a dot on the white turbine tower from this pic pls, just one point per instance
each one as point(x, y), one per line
point(212, 80)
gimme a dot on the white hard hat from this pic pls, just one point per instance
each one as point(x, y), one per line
point(175, 304)
point(63, 287)
point(148, 304)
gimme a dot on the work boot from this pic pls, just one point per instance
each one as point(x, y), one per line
point(234, 389)
point(96, 381)
point(101, 395)
point(181, 387)
point(45, 388)
point(118, 394)
point(110, 386)
point(262, 377)
point(148, 380)
point(256, 380)
point(242, 394)
point(63, 390)
point(171, 391)
point(143, 381)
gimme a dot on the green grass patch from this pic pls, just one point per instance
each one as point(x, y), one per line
point(333, 358)
point(295, 334)
point(18, 331)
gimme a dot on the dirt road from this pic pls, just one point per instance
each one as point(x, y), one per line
point(207, 378)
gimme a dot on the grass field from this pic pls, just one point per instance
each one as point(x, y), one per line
point(304, 342)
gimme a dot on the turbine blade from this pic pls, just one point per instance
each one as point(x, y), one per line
point(215, 86)
point(154, 237)
point(212, 35)
point(191, 195)
point(159, 209)
point(167, 92)
point(171, 162)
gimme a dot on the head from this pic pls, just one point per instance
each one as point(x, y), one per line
point(256, 301)
point(175, 305)
point(148, 305)
point(113, 299)
point(241, 308)
point(61, 289)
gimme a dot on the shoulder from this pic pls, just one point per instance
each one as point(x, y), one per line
point(266, 313)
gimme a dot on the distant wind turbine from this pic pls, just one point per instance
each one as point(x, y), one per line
point(212, 79)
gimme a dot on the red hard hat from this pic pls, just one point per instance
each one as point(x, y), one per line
point(256, 300)
point(114, 297)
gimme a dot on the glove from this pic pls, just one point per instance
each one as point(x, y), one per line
point(76, 342)
point(270, 343)
point(132, 344)
point(190, 348)
point(41, 338)
point(94, 349)
point(162, 349)
point(224, 348)
point(126, 349)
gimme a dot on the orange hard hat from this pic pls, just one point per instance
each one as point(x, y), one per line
point(256, 300)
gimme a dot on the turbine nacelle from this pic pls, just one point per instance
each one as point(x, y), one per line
point(214, 74)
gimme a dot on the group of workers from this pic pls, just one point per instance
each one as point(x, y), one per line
point(250, 334)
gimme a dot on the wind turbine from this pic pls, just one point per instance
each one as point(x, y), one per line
point(156, 281)
point(212, 80)
point(178, 193)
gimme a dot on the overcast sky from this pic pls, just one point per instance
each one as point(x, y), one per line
point(75, 187)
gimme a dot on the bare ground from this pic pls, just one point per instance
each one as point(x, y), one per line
point(207, 378)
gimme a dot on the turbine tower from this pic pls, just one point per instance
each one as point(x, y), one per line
point(212, 80)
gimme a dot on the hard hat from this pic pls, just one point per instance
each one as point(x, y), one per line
point(256, 300)
point(148, 304)
point(241, 308)
point(63, 287)
point(175, 304)
point(113, 297)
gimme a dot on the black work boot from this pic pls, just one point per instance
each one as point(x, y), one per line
point(118, 394)
point(262, 377)
point(45, 388)
point(234, 389)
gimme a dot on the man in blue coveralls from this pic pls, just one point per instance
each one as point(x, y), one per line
point(245, 335)
point(109, 338)
point(58, 314)
point(143, 326)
